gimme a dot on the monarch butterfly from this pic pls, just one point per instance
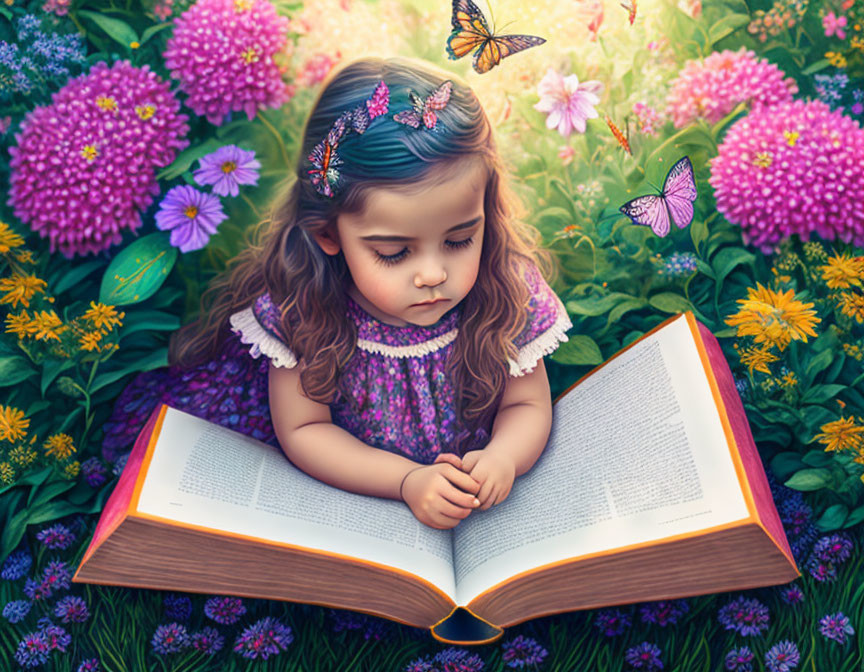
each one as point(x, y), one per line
point(470, 31)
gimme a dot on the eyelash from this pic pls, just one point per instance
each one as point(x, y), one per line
point(390, 260)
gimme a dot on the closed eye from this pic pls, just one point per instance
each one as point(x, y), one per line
point(391, 259)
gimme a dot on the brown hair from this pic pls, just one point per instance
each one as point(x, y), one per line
point(282, 257)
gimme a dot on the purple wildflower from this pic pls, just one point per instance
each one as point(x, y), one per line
point(16, 610)
point(192, 216)
point(792, 595)
point(457, 660)
point(419, 665)
point(16, 566)
point(37, 590)
point(120, 464)
point(782, 657)
point(835, 548)
point(239, 71)
point(263, 638)
point(664, 612)
point(71, 609)
point(57, 536)
point(208, 640)
point(177, 607)
point(89, 665)
point(747, 617)
point(170, 638)
point(85, 165)
point(740, 660)
point(644, 656)
point(612, 622)
point(57, 575)
point(836, 627)
point(94, 471)
point(226, 168)
point(33, 650)
point(56, 637)
point(224, 610)
point(821, 570)
point(523, 651)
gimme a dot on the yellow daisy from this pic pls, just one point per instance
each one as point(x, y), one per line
point(773, 318)
point(21, 288)
point(20, 325)
point(789, 380)
point(852, 304)
point(72, 469)
point(842, 271)
point(8, 238)
point(757, 359)
point(12, 423)
point(90, 340)
point(48, 325)
point(24, 257)
point(7, 473)
point(59, 445)
point(103, 316)
point(842, 434)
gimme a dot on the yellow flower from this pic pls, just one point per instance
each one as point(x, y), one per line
point(72, 469)
point(757, 359)
point(90, 340)
point(7, 473)
point(22, 456)
point(8, 238)
point(763, 160)
point(789, 380)
point(836, 59)
point(134, 45)
point(791, 137)
point(103, 316)
point(12, 423)
point(853, 351)
point(773, 318)
point(843, 271)
point(21, 288)
point(842, 434)
point(853, 305)
point(48, 325)
point(59, 445)
point(20, 325)
point(24, 257)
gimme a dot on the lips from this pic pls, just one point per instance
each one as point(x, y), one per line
point(427, 303)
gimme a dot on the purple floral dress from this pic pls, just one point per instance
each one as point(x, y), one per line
point(396, 378)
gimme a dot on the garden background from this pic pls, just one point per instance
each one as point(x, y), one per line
point(117, 117)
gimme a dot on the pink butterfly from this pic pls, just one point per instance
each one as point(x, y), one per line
point(424, 110)
point(674, 203)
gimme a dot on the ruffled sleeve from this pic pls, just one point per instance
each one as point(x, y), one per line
point(546, 326)
point(258, 326)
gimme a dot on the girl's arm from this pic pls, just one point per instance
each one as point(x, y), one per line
point(441, 495)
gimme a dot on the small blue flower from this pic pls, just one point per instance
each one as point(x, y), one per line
point(16, 610)
point(16, 566)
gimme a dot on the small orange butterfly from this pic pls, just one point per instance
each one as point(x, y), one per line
point(630, 6)
point(619, 136)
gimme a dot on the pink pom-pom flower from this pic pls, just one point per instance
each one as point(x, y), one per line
point(792, 168)
point(222, 51)
point(85, 166)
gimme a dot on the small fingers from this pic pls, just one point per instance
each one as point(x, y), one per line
point(459, 498)
point(449, 458)
point(461, 480)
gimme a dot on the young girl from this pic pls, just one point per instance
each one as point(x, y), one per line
point(396, 300)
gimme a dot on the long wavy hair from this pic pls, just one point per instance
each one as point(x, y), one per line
point(283, 258)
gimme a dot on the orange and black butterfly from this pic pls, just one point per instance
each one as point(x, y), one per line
point(470, 32)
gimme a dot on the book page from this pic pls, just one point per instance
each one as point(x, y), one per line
point(636, 453)
point(206, 475)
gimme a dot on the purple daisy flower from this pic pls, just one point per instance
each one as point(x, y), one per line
point(747, 617)
point(792, 595)
point(177, 607)
point(16, 610)
point(263, 638)
point(208, 640)
point(33, 650)
point(37, 590)
point(644, 656)
point(419, 665)
point(170, 638)
point(16, 566)
point(822, 571)
point(224, 610)
point(836, 627)
point(94, 471)
point(226, 168)
point(663, 612)
point(457, 660)
point(740, 660)
point(89, 665)
point(523, 651)
point(57, 575)
point(191, 215)
point(56, 637)
point(57, 536)
point(782, 657)
point(612, 622)
point(84, 167)
point(71, 609)
point(239, 71)
point(835, 548)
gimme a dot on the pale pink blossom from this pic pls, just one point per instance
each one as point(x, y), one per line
point(568, 103)
point(834, 25)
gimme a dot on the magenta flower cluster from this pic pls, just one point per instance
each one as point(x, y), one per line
point(222, 51)
point(711, 88)
point(793, 168)
point(85, 166)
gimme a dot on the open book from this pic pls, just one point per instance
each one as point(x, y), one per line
point(650, 488)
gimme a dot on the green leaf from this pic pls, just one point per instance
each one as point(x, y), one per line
point(148, 320)
point(669, 302)
point(785, 464)
point(14, 369)
point(138, 271)
point(816, 67)
point(833, 518)
point(185, 159)
point(152, 30)
point(118, 30)
point(819, 363)
point(817, 458)
point(579, 349)
point(855, 517)
point(727, 259)
point(819, 394)
point(698, 232)
point(705, 268)
point(51, 368)
point(154, 360)
point(48, 492)
point(597, 305)
point(624, 307)
point(726, 26)
point(809, 479)
point(76, 275)
point(560, 215)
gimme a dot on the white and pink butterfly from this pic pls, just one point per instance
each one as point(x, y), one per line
point(673, 204)
point(425, 108)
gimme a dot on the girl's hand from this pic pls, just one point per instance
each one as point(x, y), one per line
point(440, 494)
point(494, 471)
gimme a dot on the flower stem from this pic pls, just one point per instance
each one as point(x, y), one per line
point(276, 135)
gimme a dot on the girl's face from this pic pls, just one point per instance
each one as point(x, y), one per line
point(408, 247)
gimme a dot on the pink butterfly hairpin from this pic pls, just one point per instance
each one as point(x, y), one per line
point(324, 174)
point(425, 108)
point(673, 204)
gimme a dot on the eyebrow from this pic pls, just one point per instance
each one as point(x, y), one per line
point(401, 239)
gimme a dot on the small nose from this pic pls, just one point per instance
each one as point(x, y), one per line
point(430, 274)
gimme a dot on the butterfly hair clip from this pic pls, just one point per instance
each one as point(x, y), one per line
point(324, 158)
point(425, 108)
